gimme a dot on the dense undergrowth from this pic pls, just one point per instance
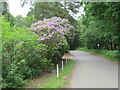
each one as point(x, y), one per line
point(51, 81)
point(26, 54)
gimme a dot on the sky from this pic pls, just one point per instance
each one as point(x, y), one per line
point(81, 11)
point(16, 9)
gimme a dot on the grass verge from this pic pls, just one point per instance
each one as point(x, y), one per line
point(103, 53)
point(51, 81)
point(62, 81)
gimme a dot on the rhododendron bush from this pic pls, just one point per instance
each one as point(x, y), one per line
point(26, 53)
point(52, 31)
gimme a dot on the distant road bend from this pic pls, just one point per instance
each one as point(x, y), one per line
point(91, 71)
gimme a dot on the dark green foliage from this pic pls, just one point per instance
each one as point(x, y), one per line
point(4, 7)
point(76, 41)
point(24, 56)
point(50, 9)
point(24, 21)
point(100, 26)
point(114, 53)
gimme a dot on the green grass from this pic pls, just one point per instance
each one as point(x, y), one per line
point(104, 53)
point(62, 81)
point(53, 81)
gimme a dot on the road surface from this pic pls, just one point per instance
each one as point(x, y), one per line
point(91, 71)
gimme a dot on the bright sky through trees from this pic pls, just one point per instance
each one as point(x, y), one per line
point(16, 9)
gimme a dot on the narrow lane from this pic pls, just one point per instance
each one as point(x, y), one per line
point(91, 71)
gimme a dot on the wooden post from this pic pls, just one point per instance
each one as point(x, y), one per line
point(57, 71)
point(62, 65)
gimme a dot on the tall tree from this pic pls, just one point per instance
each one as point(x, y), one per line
point(101, 24)
point(4, 7)
point(6, 13)
point(49, 9)
point(64, 10)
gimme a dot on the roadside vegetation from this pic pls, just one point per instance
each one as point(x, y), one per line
point(98, 29)
point(29, 51)
point(35, 43)
point(32, 45)
point(49, 80)
point(63, 80)
point(111, 55)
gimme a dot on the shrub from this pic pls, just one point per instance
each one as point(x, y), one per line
point(25, 54)
point(22, 55)
point(53, 32)
point(114, 53)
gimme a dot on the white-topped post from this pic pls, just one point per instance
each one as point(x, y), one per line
point(62, 65)
point(57, 71)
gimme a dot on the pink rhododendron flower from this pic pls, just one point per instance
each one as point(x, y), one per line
point(50, 35)
point(34, 28)
point(62, 33)
point(51, 29)
point(63, 36)
point(40, 29)
point(45, 34)
point(35, 33)
point(40, 37)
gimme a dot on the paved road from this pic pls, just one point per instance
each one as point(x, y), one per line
point(91, 71)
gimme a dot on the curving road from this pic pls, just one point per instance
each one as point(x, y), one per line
point(91, 71)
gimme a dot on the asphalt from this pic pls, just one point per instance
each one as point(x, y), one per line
point(92, 71)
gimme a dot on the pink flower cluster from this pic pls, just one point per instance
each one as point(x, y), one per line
point(52, 30)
